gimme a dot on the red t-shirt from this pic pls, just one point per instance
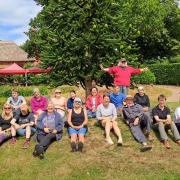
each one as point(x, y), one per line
point(122, 76)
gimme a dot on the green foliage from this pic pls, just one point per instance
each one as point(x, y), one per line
point(166, 73)
point(144, 78)
point(74, 37)
point(24, 91)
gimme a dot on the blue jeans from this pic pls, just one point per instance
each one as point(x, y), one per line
point(79, 131)
point(22, 132)
point(91, 114)
point(124, 89)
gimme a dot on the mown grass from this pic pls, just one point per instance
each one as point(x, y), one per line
point(98, 161)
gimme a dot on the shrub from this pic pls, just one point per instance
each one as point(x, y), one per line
point(166, 73)
point(144, 78)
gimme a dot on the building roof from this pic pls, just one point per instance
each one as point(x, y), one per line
point(11, 52)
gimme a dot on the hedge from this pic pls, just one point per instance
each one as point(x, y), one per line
point(166, 73)
point(144, 78)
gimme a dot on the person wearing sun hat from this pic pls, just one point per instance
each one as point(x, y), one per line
point(77, 120)
point(60, 102)
point(122, 74)
point(137, 121)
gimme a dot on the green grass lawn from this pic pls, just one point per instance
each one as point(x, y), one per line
point(98, 161)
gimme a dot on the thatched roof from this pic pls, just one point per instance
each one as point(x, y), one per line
point(11, 52)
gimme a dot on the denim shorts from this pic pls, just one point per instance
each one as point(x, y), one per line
point(22, 132)
point(79, 131)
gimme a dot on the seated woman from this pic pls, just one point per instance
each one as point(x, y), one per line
point(23, 124)
point(15, 101)
point(49, 128)
point(60, 103)
point(77, 119)
point(92, 102)
point(177, 118)
point(38, 103)
point(71, 99)
point(107, 116)
point(5, 125)
point(142, 99)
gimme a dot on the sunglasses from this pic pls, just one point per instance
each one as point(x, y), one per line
point(58, 92)
point(7, 108)
point(77, 102)
point(123, 61)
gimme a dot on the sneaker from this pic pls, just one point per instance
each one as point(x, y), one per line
point(150, 138)
point(145, 147)
point(25, 145)
point(178, 142)
point(120, 142)
point(38, 149)
point(73, 147)
point(166, 144)
point(13, 140)
point(35, 154)
point(109, 141)
point(80, 146)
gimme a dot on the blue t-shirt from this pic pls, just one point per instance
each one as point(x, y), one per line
point(117, 99)
point(70, 103)
point(17, 102)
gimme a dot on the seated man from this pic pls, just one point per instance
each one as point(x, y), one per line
point(163, 120)
point(117, 98)
point(177, 118)
point(93, 101)
point(15, 101)
point(22, 123)
point(107, 115)
point(143, 99)
point(138, 122)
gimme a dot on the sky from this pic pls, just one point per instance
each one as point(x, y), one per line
point(15, 16)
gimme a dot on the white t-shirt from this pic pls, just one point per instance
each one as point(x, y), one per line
point(177, 115)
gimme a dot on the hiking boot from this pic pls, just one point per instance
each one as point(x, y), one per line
point(73, 147)
point(13, 140)
point(109, 141)
point(145, 147)
point(178, 142)
point(166, 144)
point(25, 145)
point(80, 146)
point(38, 150)
point(120, 142)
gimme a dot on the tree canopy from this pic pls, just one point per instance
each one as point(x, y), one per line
point(75, 36)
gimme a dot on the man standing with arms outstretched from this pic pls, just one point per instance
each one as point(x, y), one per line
point(122, 74)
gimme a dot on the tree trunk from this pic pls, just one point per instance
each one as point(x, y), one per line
point(89, 83)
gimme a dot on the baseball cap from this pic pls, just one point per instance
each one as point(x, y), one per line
point(77, 100)
point(129, 97)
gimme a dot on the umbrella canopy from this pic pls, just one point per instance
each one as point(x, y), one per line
point(13, 69)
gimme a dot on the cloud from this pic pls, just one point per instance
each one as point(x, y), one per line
point(15, 16)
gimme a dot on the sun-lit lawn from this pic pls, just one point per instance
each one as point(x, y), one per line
point(98, 161)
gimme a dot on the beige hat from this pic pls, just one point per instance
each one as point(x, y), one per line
point(57, 90)
point(129, 97)
point(140, 88)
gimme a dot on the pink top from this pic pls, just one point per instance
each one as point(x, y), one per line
point(122, 76)
point(38, 104)
point(90, 101)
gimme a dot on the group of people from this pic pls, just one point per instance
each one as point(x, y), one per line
point(49, 116)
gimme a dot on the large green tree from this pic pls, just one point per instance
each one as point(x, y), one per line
point(75, 36)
